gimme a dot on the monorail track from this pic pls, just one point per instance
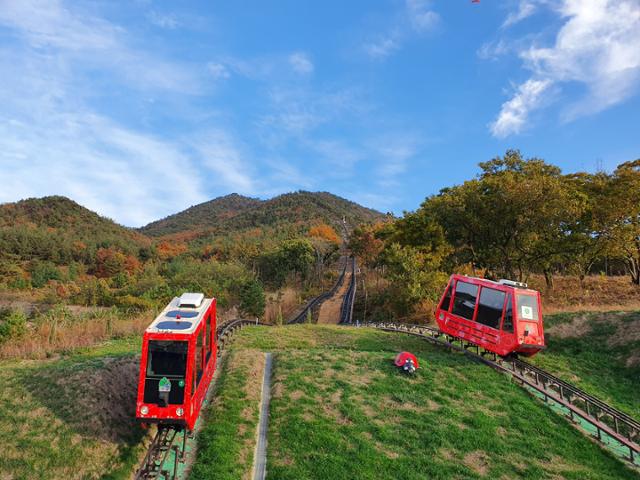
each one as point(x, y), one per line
point(611, 426)
point(159, 461)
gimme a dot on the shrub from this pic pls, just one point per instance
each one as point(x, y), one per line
point(13, 324)
point(42, 272)
point(252, 299)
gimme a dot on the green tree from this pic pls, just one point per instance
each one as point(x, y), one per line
point(252, 299)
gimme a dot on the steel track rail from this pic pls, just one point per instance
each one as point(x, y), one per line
point(314, 302)
point(164, 439)
point(603, 417)
point(346, 309)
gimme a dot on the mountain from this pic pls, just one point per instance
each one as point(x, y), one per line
point(58, 229)
point(233, 213)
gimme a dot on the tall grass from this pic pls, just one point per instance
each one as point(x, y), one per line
point(60, 330)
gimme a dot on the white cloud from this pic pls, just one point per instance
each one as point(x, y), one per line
point(526, 8)
point(383, 46)
point(83, 41)
point(416, 18)
point(514, 113)
point(219, 153)
point(165, 20)
point(421, 16)
point(598, 47)
point(301, 63)
point(493, 50)
point(218, 70)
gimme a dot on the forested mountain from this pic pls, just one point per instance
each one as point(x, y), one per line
point(58, 229)
point(234, 213)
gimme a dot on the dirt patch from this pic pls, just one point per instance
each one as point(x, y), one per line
point(578, 327)
point(626, 332)
point(477, 461)
point(297, 395)
point(330, 309)
point(104, 398)
point(501, 432)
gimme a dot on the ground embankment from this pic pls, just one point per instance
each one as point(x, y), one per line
point(71, 417)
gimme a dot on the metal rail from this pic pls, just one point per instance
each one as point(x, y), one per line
point(164, 439)
point(316, 301)
point(603, 417)
point(346, 309)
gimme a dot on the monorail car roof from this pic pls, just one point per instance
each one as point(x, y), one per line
point(181, 316)
point(501, 283)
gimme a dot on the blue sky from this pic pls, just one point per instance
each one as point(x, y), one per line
point(139, 109)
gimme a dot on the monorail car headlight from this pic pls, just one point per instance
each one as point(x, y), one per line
point(179, 411)
point(144, 410)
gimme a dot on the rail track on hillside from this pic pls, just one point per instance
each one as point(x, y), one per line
point(610, 426)
point(166, 456)
point(315, 302)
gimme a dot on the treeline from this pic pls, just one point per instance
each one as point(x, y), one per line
point(63, 253)
point(517, 217)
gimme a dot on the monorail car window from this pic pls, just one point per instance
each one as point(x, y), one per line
point(490, 307)
point(167, 358)
point(507, 326)
point(209, 321)
point(464, 300)
point(527, 307)
point(447, 298)
point(197, 373)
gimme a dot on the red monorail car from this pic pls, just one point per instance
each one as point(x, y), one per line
point(504, 317)
point(178, 360)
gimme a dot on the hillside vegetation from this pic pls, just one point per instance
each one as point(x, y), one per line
point(234, 213)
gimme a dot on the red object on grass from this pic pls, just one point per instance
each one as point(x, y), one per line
point(403, 357)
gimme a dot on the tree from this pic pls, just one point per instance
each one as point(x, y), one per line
point(326, 232)
point(252, 299)
point(512, 219)
point(625, 206)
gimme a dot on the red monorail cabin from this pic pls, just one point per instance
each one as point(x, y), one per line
point(178, 360)
point(503, 317)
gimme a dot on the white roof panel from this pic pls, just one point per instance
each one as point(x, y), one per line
point(177, 317)
point(192, 300)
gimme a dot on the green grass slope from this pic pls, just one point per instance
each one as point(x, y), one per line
point(598, 352)
point(71, 417)
point(340, 409)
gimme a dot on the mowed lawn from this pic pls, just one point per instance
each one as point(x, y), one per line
point(340, 409)
point(71, 417)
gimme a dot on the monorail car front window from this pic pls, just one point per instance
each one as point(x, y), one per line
point(464, 301)
point(167, 358)
point(527, 307)
point(490, 307)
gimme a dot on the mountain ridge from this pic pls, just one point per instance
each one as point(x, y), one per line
point(236, 212)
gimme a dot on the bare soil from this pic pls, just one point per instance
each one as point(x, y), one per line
point(330, 309)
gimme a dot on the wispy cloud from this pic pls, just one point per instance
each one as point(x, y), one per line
point(515, 112)
point(164, 20)
point(416, 18)
point(525, 9)
point(598, 46)
point(218, 70)
point(301, 63)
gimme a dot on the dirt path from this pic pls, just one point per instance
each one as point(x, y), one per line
point(330, 309)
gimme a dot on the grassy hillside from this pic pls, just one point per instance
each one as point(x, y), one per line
point(598, 352)
point(71, 417)
point(340, 409)
point(234, 213)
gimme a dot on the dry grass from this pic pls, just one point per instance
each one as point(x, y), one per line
point(597, 294)
point(286, 301)
point(61, 330)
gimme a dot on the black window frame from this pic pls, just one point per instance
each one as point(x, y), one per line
point(460, 303)
point(482, 309)
point(507, 320)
